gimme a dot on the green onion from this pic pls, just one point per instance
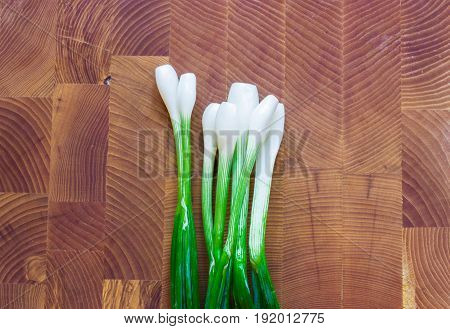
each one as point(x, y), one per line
point(245, 97)
point(263, 179)
point(179, 98)
point(261, 117)
point(225, 127)
point(210, 150)
point(226, 121)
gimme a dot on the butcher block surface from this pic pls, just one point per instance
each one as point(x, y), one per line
point(359, 210)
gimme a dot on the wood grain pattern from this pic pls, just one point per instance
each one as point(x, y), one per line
point(312, 251)
point(427, 253)
point(79, 62)
point(426, 146)
point(261, 62)
point(371, 138)
point(74, 279)
point(198, 44)
point(90, 32)
point(138, 294)
point(371, 87)
point(23, 237)
point(22, 295)
point(25, 129)
point(79, 143)
point(312, 240)
point(134, 212)
point(140, 28)
point(82, 40)
point(275, 233)
point(76, 225)
point(425, 55)
point(27, 36)
point(313, 84)
point(372, 207)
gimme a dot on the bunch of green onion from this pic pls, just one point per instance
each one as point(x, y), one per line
point(242, 133)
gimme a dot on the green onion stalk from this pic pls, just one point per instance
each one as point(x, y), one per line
point(209, 155)
point(179, 98)
point(225, 128)
point(245, 97)
point(260, 119)
point(263, 178)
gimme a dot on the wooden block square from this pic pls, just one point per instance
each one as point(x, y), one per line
point(140, 28)
point(198, 44)
point(22, 295)
point(425, 267)
point(313, 84)
point(133, 243)
point(79, 143)
point(313, 240)
point(25, 130)
point(136, 167)
point(81, 63)
point(131, 294)
point(82, 41)
point(425, 167)
point(371, 87)
point(27, 36)
point(75, 279)
point(372, 210)
point(23, 237)
point(261, 62)
point(425, 55)
point(76, 225)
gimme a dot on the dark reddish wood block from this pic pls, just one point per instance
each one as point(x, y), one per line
point(23, 237)
point(79, 143)
point(74, 279)
point(136, 153)
point(25, 132)
point(22, 295)
point(140, 28)
point(76, 225)
point(27, 36)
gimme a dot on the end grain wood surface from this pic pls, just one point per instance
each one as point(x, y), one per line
point(359, 212)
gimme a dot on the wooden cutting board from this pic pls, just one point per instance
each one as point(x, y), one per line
point(359, 211)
